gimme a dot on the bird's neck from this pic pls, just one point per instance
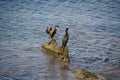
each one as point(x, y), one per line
point(66, 32)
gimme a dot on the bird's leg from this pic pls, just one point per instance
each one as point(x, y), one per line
point(50, 42)
point(49, 39)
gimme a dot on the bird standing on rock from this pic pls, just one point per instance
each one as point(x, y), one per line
point(53, 31)
point(65, 39)
point(49, 28)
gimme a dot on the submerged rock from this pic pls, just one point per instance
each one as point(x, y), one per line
point(84, 74)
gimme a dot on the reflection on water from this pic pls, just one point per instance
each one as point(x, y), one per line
point(94, 38)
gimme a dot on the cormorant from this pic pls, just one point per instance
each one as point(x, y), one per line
point(49, 28)
point(53, 31)
point(65, 39)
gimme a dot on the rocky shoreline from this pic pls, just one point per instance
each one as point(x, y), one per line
point(54, 50)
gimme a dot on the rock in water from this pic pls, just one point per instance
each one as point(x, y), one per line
point(56, 51)
point(84, 74)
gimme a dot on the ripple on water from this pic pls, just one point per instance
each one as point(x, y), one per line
point(94, 41)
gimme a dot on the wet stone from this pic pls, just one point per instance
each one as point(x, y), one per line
point(84, 74)
point(54, 50)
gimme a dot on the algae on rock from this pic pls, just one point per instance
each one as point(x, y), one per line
point(84, 74)
point(56, 51)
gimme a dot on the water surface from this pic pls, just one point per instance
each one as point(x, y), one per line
point(94, 44)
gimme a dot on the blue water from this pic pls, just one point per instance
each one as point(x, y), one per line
point(94, 44)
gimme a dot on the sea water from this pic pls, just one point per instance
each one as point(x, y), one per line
point(94, 43)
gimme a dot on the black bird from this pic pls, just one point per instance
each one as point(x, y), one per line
point(65, 39)
point(53, 31)
point(49, 28)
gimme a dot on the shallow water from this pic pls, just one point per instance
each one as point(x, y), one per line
point(94, 44)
